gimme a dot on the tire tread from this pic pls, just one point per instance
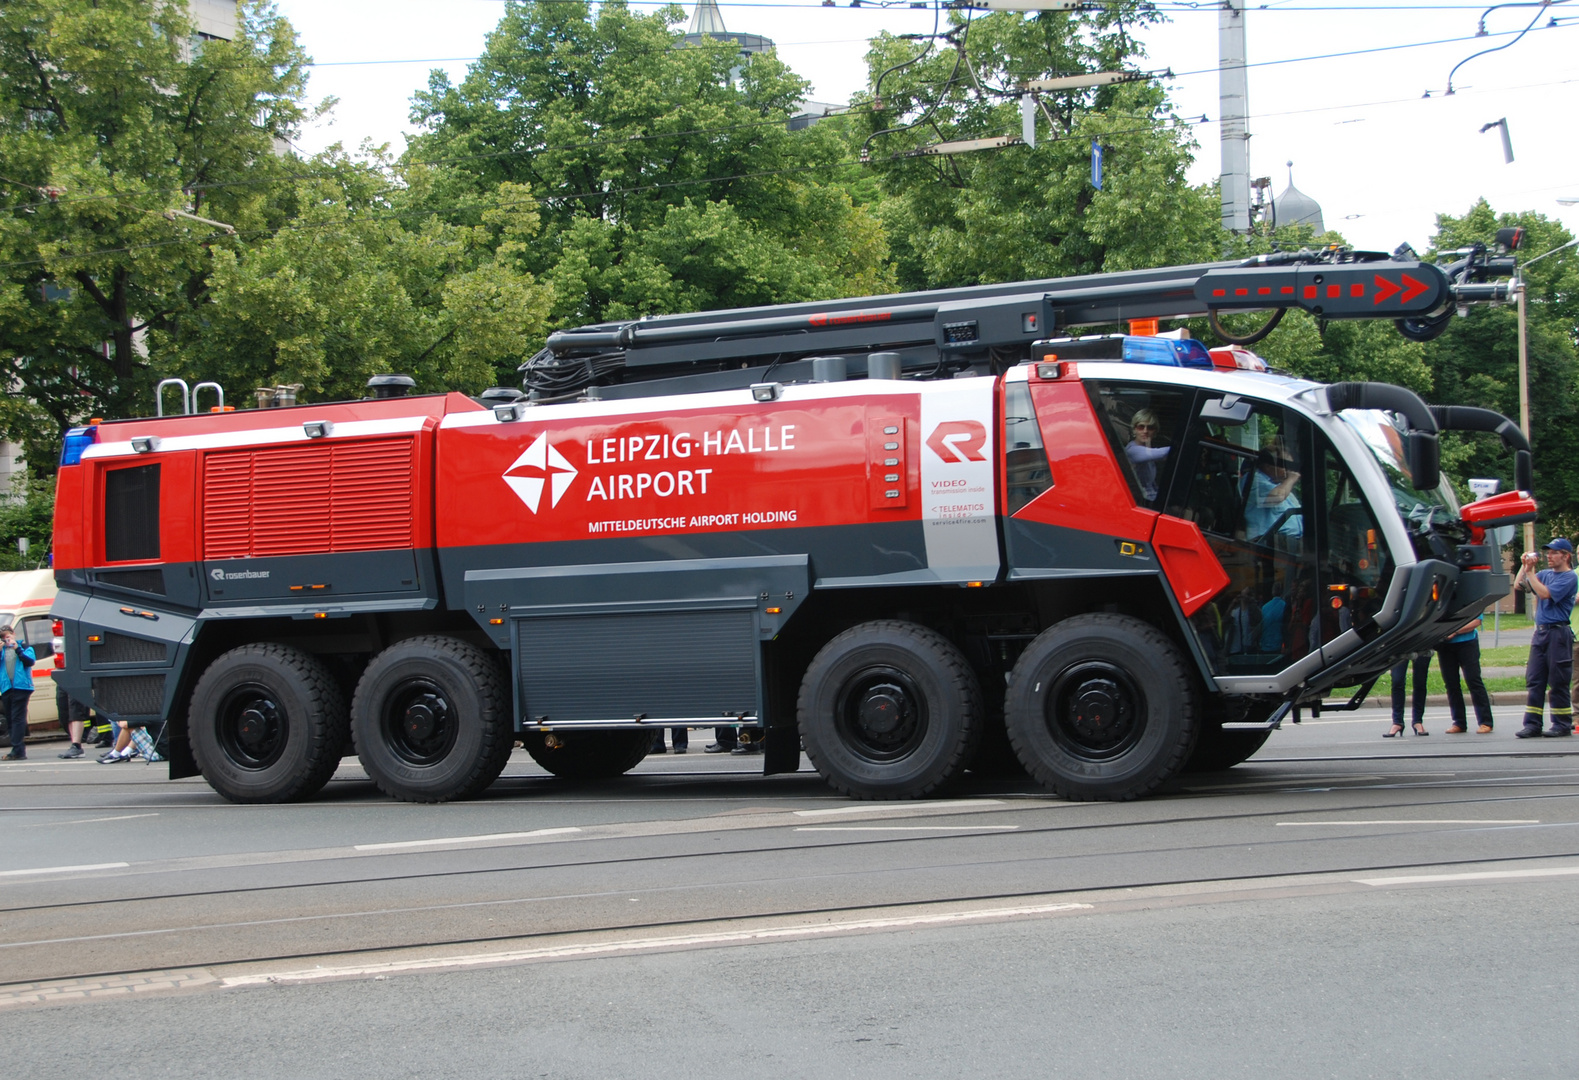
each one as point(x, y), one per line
point(498, 738)
point(1164, 654)
point(319, 685)
point(970, 700)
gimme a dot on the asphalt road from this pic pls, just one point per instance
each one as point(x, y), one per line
point(1341, 905)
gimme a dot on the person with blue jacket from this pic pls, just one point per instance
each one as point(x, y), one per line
point(16, 687)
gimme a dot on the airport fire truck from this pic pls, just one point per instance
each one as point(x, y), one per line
point(909, 535)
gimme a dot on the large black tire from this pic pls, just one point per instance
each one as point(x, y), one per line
point(1102, 707)
point(266, 724)
point(889, 710)
point(589, 755)
point(1217, 749)
point(432, 720)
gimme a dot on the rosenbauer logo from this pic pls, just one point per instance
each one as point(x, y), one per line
point(956, 441)
point(541, 464)
point(237, 575)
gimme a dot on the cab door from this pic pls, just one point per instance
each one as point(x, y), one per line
point(1246, 480)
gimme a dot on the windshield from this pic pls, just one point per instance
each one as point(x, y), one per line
point(1381, 433)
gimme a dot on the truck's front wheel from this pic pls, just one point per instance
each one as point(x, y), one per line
point(431, 720)
point(1101, 707)
point(266, 724)
point(889, 710)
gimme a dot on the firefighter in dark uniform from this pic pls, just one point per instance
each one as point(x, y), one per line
point(1550, 668)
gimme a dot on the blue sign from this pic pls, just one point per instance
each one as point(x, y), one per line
point(1096, 164)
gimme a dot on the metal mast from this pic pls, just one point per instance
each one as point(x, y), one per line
point(1234, 105)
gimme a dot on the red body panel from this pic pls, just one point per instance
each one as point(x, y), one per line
point(1089, 492)
point(1189, 563)
point(569, 475)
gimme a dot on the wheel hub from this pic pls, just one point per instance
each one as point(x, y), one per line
point(881, 716)
point(882, 710)
point(422, 718)
point(252, 726)
point(1095, 711)
point(1096, 708)
point(418, 722)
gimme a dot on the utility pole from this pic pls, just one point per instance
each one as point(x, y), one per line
point(1234, 105)
point(1524, 397)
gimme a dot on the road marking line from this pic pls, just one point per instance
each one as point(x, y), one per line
point(891, 808)
point(1433, 821)
point(905, 828)
point(1483, 875)
point(649, 944)
point(88, 821)
point(66, 869)
point(464, 839)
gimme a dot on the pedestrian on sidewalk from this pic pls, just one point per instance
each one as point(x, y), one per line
point(1400, 675)
point(16, 687)
point(1550, 668)
point(1461, 652)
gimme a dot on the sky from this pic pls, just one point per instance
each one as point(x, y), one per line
point(1338, 87)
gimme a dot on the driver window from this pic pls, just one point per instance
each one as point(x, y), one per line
point(1246, 488)
point(1144, 423)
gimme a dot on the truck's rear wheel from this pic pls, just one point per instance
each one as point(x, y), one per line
point(266, 724)
point(889, 710)
point(431, 720)
point(588, 755)
point(1101, 707)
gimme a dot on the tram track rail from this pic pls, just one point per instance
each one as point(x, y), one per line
point(801, 912)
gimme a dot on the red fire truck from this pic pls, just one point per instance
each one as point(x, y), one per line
point(909, 534)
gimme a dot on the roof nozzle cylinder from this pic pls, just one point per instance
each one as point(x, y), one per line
point(501, 395)
point(882, 365)
point(829, 369)
point(391, 386)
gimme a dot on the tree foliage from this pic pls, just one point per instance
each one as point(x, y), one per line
point(1023, 212)
point(667, 176)
point(116, 121)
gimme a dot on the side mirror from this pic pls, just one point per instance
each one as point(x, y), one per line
point(1523, 471)
point(1425, 460)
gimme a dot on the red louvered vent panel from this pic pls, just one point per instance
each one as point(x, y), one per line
point(227, 504)
point(371, 493)
point(290, 500)
point(298, 500)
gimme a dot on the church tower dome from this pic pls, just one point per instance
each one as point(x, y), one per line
point(1294, 207)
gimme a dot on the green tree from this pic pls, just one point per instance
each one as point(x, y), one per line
point(667, 176)
point(359, 283)
point(1019, 212)
point(1476, 360)
point(117, 125)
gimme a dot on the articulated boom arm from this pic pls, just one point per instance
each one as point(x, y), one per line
point(989, 327)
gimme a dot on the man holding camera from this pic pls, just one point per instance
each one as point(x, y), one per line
point(1550, 667)
point(16, 687)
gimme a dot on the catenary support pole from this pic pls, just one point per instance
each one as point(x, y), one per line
point(1524, 398)
point(1233, 83)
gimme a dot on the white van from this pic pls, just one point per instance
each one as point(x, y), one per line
point(25, 599)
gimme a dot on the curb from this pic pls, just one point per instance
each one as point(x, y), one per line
point(1505, 697)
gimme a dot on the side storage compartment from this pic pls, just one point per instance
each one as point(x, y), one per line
point(626, 645)
point(691, 665)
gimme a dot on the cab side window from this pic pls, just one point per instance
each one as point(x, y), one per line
point(1025, 458)
point(131, 514)
point(1144, 424)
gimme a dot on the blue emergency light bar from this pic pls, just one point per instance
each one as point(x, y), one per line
point(78, 439)
point(1130, 349)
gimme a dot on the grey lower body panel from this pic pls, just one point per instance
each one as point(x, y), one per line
point(608, 644)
